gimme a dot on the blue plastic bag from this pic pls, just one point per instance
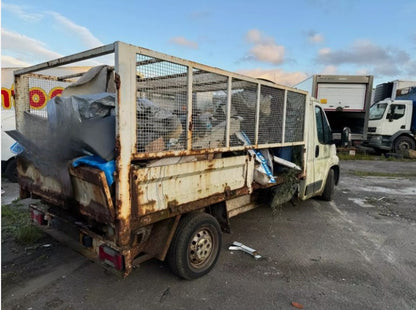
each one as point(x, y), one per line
point(95, 161)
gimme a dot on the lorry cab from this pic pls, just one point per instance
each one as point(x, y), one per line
point(389, 125)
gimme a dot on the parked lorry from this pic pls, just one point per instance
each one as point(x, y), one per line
point(392, 123)
point(346, 100)
point(151, 155)
point(38, 97)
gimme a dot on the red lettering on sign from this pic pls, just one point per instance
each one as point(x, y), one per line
point(56, 91)
point(5, 98)
point(37, 98)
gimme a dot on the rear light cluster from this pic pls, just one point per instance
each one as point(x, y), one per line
point(106, 254)
point(111, 257)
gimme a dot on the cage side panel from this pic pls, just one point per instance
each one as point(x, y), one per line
point(271, 115)
point(243, 109)
point(161, 105)
point(295, 117)
point(209, 119)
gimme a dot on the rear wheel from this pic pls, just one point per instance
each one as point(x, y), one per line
point(195, 246)
point(403, 143)
point(329, 189)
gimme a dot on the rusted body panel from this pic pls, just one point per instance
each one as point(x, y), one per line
point(33, 181)
point(92, 194)
point(157, 188)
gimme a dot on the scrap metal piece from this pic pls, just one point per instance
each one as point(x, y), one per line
point(238, 246)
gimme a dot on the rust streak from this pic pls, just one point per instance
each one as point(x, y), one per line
point(175, 209)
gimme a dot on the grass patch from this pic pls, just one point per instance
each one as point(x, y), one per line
point(360, 155)
point(382, 174)
point(28, 234)
point(16, 223)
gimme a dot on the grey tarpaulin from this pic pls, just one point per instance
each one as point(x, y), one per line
point(87, 121)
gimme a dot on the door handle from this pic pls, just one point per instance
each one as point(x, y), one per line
point(317, 151)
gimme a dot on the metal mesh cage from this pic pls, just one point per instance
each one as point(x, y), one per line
point(209, 93)
point(271, 115)
point(243, 109)
point(161, 104)
point(295, 115)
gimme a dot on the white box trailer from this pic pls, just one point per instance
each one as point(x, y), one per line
point(346, 100)
point(186, 146)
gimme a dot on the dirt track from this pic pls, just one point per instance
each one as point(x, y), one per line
point(357, 252)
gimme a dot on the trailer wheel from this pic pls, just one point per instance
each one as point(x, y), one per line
point(329, 190)
point(403, 143)
point(195, 246)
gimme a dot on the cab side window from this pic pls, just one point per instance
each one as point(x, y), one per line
point(397, 111)
point(322, 127)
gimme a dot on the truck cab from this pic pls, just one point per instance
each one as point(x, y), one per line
point(390, 125)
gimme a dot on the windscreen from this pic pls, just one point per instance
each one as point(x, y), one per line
point(377, 111)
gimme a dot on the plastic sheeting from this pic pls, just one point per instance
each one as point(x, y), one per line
point(86, 121)
point(95, 161)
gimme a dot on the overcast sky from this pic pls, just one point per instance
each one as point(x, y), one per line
point(285, 41)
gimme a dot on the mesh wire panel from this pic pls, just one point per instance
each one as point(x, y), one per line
point(271, 115)
point(295, 116)
point(243, 109)
point(209, 99)
point(161, 105)
point(40, 92)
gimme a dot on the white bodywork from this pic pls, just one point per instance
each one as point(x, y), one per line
point(384, 126)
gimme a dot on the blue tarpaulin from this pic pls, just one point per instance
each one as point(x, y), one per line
point(95, 161)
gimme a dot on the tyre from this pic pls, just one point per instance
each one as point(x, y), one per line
point(195, 246)
point(403, 143)
point(329, 190)
point(11, 170)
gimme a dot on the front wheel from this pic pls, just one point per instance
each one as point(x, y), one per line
point(403, 143)
point(195, 246)
point(329, 189)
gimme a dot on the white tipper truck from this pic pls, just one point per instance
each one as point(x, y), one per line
point(150, 155)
